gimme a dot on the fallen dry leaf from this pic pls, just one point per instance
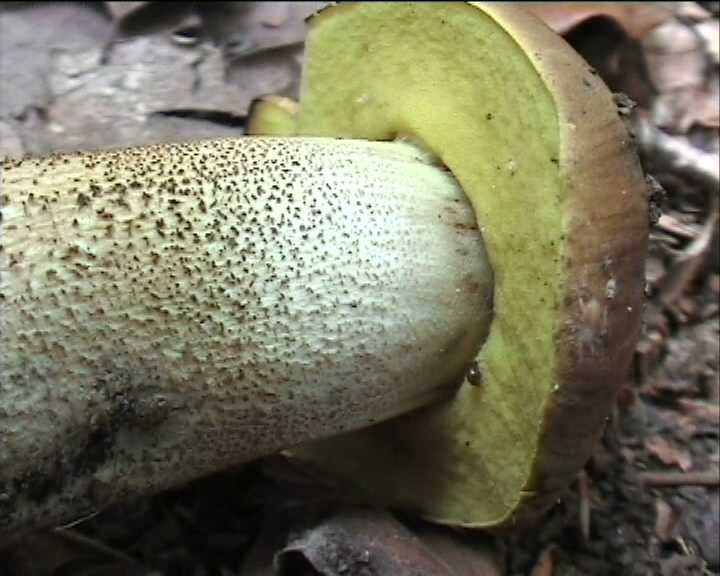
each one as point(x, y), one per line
point(133, 19)
point(467, 554)
point(680, 565)
point(545, 564)
point(274, 14)
point(27, 45)
point(665, 520)
point(685, 426)
point(319, 529)
point(668, 453)
point(239, 28)
point(704, 411)
point(669, 223)
point(680, 110)
point(368, 542)
point(119, 10)
point(677, 154)
point(246, 28)
point(689, 10)
point(658, 53)
point(649, 351)
point(608, 36)
point(148, 79)
point(690, 262)
point(53, 554)
point(709, 31)
point(636, 19)
point(701, 525)
point(675, 56)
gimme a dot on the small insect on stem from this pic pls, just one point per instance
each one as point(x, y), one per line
point(474, 374)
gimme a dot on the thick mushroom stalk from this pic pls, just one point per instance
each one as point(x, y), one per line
point(168, 311)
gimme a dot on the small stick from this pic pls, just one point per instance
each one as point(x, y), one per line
point(698, 478)
point(95, 545)
point(677, 154)
point(584, 505)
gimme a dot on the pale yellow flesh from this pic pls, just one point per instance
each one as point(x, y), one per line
point(449, 76)
point(272, 116)
point(168, 311)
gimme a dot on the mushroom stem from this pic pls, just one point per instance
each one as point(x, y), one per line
point(171, 310)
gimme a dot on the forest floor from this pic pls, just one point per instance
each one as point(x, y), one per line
point(101, 75)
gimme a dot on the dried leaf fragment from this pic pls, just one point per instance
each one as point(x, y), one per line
point(545, 564)
point(366, 542)
point(668, 453)
point(636, 19)
point(665, 520)
point(119, 10)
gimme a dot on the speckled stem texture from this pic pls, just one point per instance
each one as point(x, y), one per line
point(168, 311)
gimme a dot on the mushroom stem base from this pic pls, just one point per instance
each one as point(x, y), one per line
point(169, 311)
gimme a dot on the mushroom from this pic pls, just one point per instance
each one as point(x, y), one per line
point(442, 318)
point(172, 310)
point(533, 136)
point(272, 116)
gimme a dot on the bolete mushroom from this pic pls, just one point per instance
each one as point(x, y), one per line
point(272, 116)
point(171, 310)
point(533, 137)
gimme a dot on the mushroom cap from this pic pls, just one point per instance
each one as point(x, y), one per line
point(271, 116)
point(535, 140)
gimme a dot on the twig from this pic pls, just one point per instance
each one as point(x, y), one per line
point(584, 505)
point(677, 154)
point(96, 545)
point(660, 479)
point(687, 265)
point(673, 226)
